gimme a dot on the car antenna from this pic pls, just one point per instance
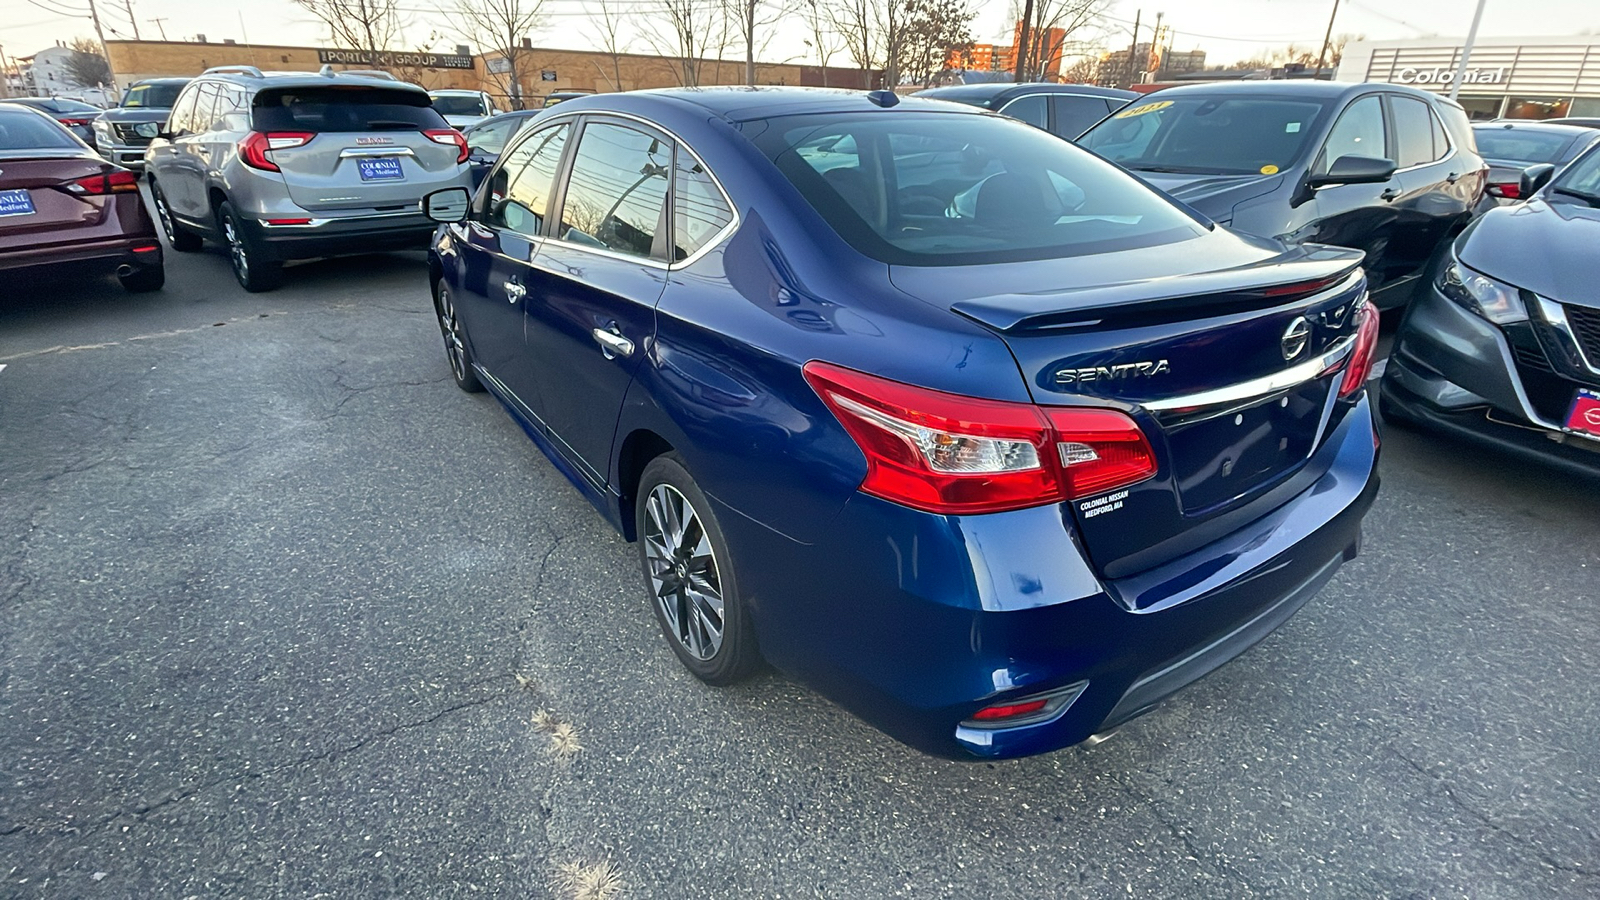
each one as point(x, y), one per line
point(884, 99)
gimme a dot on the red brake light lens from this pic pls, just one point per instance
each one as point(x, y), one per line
point(119, 181)
point(70, 122)
point(1366, 348)
point(1010, 710)
point(951, 454)
point(255, 146)
point(450, 136)
point(1509, 191)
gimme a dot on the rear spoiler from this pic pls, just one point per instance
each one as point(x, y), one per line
point(1300, 272)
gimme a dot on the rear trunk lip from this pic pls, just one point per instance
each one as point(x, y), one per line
point(1266, 385)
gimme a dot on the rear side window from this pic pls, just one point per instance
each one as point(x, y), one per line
point(1413, 131)
point(519, 191)
point(699, 212)
point(344, 108)
point(617, 190)
point(936, 189)
point(1358, 132)
point(26, 131)
point(1030, 109)
point(205, 106)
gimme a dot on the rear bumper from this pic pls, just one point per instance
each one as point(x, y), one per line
point(109, 255)
point(333, 236)
point(915, 622)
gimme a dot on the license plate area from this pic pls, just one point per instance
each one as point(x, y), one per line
point(1221, 457)
point(16, 203)
point(383, 168)
point(1584, 415)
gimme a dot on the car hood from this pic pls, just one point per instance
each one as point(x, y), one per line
point(1539, 246)
point(123, 116)
point(1214, 195)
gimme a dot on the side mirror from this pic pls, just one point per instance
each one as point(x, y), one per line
point(1536, 177)
point(147, 130)
point(1355, 170)
point(447, 205)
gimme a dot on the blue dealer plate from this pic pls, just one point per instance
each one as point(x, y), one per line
point(382, 169)
point(16, 203)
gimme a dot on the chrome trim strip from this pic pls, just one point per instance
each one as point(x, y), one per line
point(351, 152)
point(318, 223)
point(1556, 316)
point(1260, 387)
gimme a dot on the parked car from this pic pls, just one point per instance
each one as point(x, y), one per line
point(1389, 170)
point(283, 166)
point(1505, 346)
point(1581, 121)
point(117, 132)
point(1511, 147)
point(463, 108)
point(554, 97)
point(62, 206)
point(978, 434)
point(486, 139)
point(76, 115)
point(1066, 110)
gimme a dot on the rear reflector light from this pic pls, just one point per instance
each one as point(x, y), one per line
point(951, 454)
point(1366, 348)
point(146, 248)
point(288, 221)
point(119, 181)
point(255, 146)
point(1509, 191)
point(450, 136)
point(1009, 710)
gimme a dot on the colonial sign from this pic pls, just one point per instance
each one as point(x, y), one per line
point(385, 60)
point(1443, 75)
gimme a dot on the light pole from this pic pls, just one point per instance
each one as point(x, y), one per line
point(1466, 51)
point(1327, 39)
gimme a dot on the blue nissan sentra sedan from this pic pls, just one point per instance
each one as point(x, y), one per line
point(964, 426)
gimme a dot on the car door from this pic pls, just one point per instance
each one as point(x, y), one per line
point(165, 156)
point(499, 243)
point(1362, 216)
point(1429, 208)
point(593, 288)
point(194, 155)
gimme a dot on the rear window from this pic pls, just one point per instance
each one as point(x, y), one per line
point(1515, 145)
point(27, 131)
point(344, 108)
point(456, 105)
point(931, 189)
point(1207, 135)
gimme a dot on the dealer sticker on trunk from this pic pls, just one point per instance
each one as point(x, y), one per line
point(16, 203)
point(381, 169)
point(1099, 506)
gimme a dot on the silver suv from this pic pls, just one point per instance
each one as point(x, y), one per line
point(294, 165)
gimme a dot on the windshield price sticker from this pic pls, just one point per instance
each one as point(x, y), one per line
point(1141, 110)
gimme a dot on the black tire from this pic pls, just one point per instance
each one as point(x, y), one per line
point(456, 350)
point(684, 586)
point(255, 272)
point(178, 238)
point(140, 281)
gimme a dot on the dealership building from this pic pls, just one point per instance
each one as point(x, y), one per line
point(1515, 78)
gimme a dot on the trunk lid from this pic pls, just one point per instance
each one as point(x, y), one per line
point(57, 212)
point(1224, 370)
point(367, 150)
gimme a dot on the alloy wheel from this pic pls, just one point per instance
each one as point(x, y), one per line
point(236, 250)
point(454, 347)
point(164, 215)
point(684, 576)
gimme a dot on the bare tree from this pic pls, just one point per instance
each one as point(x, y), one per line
point(824, 41)
point(368, 26)
point(86, 66)
point(1059, 28)
point(499, 28)
point(749, 19)
point(605, 29)
point(688, 33)
point(1083, 70)
point(854, 22)
point(931, 30)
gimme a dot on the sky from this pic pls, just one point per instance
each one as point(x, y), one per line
point(1228, 30)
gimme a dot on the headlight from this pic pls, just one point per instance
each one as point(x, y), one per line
point(102, 127)
point(1496, 301)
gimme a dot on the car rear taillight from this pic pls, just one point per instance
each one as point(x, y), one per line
point(255, 146)
point(1511, 190)
point(450, 136)
point(952, 454)
point(71, 122)
point(1366, 349)
point(119, 181)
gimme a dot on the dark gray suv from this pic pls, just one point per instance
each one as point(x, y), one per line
point(293, 165)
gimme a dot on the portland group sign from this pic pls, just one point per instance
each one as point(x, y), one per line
point(381, 60)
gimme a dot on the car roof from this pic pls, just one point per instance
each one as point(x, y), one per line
point(1308, 88)
point(258, 79)
point(161, 81)
point(994, 90)
point(740, 104)
point(1535, 126)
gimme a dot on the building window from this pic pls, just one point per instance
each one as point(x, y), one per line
point(1536, 107)
point(1481, 109)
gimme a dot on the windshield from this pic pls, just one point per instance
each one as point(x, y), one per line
point(931, 189)
point(459, 105)
point(151, 96)
point(1208, 135)
point(1520, 146)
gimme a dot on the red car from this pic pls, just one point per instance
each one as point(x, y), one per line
point(62, 204)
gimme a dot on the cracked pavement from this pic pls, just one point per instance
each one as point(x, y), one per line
point(277, 603)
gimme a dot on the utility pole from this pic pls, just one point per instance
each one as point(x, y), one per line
point(5, 74)
point(1155, 45)
point(101, 34)
point(1466, 52)
point(128, 5)
point(1022, 39)
point(750, 42)
point(1327, 40)
point(1133, 48)
point(159, 25)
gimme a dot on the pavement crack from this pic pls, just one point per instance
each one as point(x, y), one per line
point(1218, 867)
point(1489, 823)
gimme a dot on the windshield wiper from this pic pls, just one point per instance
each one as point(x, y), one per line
point(1585, 196)
point(1178, 170)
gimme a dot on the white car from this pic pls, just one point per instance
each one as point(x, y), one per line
point(463, 109)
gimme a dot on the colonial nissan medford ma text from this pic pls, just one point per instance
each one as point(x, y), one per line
point(976, 433)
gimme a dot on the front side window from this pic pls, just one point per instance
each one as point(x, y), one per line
point(1030, 109)
point(1203, 135)
point(699, 213)
point(181, 119)
point(519, 191)
point(489, 140)
point(933, 189)
point(1358, 132)
point(205, 106)
point(617, 190)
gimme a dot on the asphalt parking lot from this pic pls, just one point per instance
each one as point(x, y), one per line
point(284, 613)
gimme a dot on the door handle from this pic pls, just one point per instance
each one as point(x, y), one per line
point(1389, 194)
point(612, 343)
point(515, 291)
point(1452, 178)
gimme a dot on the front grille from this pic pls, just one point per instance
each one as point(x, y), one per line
point(1585, 322)
point(126, 135)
